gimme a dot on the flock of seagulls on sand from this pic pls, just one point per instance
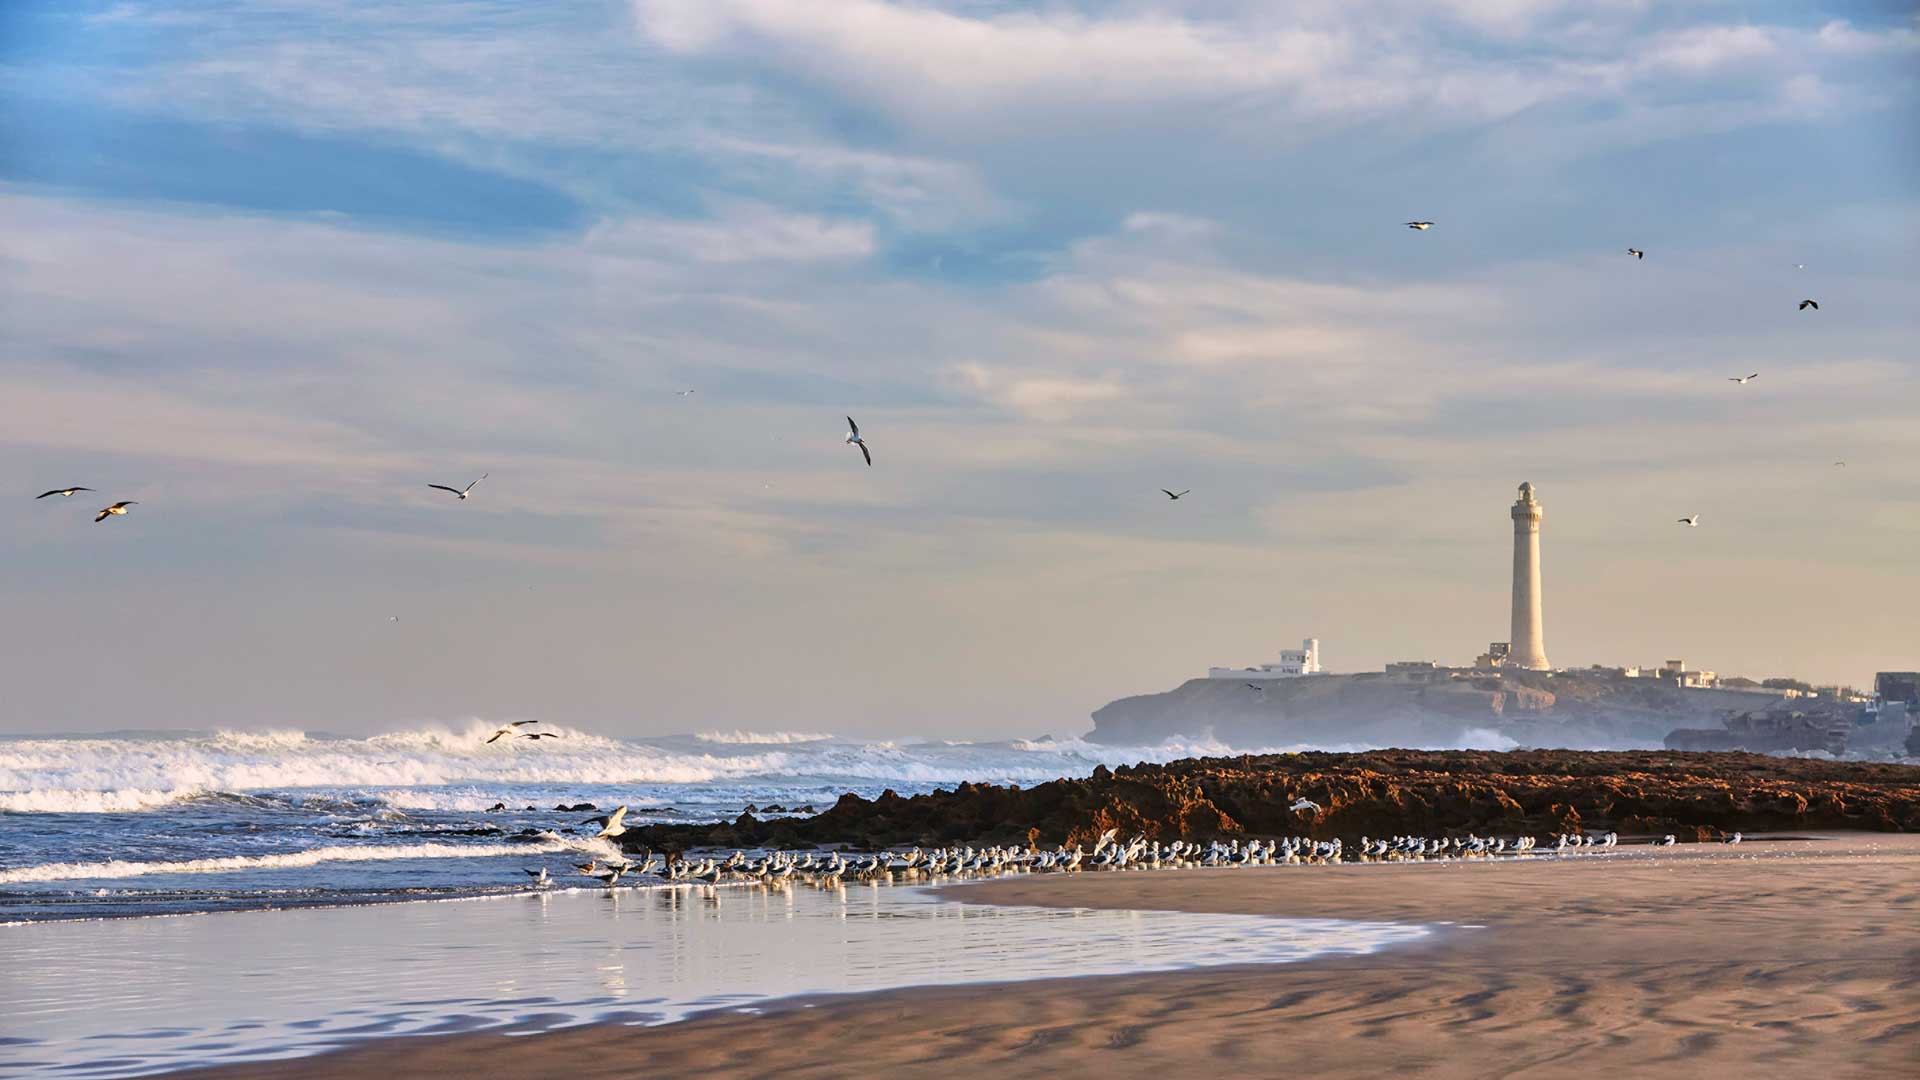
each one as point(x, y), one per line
point(829, 869)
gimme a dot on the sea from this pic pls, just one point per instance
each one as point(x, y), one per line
point(152, 823)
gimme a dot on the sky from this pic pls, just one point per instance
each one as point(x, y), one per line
point(270, 268)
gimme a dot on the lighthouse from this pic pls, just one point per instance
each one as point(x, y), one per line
point(1529, 630)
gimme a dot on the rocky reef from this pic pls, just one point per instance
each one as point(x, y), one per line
point(1377, 793)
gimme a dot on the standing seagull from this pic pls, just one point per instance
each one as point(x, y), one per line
point(540, 877)
point(1171, 495)
point(508, 730)
point(1805, 304)
point(1422, 226)
point(115, 510)
point(461, 492)
point(853, 436)
point(610, 826)
point(1636, 253)
point(1691, 522)
point(67, 492)
point(1741, 381)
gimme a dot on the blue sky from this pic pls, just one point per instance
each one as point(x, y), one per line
point(271, 267)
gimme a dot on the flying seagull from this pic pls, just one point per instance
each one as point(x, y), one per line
point(610, 826)
point(508, 730)
point(115, 510)
point(461, 492)
point(1805, 304)
point(853, 436)
point(1741, 381)
point(1423, 226)
point(1841, 464)
point(1305, 804)
point(1171, 495)
point(541, 735)
point(1636, 253)
point(683, 393)
point(1692, 521)
point(67, 492)
point(1256, 686)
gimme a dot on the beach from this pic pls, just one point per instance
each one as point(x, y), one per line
point(1779, 957)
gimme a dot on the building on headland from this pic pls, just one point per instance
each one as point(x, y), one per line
point(1838, 723)
point(1677, 672)
point(1495, 656)
point(1293, 664)
point(1892, 686)
point(1410, 667)
point(1529, 625)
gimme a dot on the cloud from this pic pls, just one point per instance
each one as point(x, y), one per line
point(739, 232)
point(1038, 397)
point(961, 72)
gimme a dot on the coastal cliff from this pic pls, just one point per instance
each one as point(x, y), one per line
point(1378, 793)
point(1439, 708)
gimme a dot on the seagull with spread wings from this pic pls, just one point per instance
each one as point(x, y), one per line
point(610, 826)
point(1171, 495)
point(1421, 226)
point(116, 510)
point(1745, 381)
point(853, 436)
point(508, 730)
point(65, 492)
point(461, 493)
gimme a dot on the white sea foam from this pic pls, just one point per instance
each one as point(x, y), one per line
point(457, 770)
point(312, 857)
point(737, 737)
point(113, 801)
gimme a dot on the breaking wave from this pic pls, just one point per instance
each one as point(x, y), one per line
point(458, 770)
point(737, 737)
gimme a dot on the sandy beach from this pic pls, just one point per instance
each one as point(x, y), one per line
point(1775, 958)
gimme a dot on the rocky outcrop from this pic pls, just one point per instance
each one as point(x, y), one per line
point(1378, 793)
point(1439, 708)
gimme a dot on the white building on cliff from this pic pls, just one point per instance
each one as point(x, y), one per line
point(1294, 663)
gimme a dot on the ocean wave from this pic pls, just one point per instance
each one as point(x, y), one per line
point(738, 737)
point(457, 770)
point(107, 775)
point(111, 801)
point(116, 868)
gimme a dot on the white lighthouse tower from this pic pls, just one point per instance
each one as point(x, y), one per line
point(1529, 630)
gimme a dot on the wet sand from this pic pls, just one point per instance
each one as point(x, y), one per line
point(1780, 958)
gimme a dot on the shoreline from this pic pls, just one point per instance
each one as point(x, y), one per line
point(1796, 954)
